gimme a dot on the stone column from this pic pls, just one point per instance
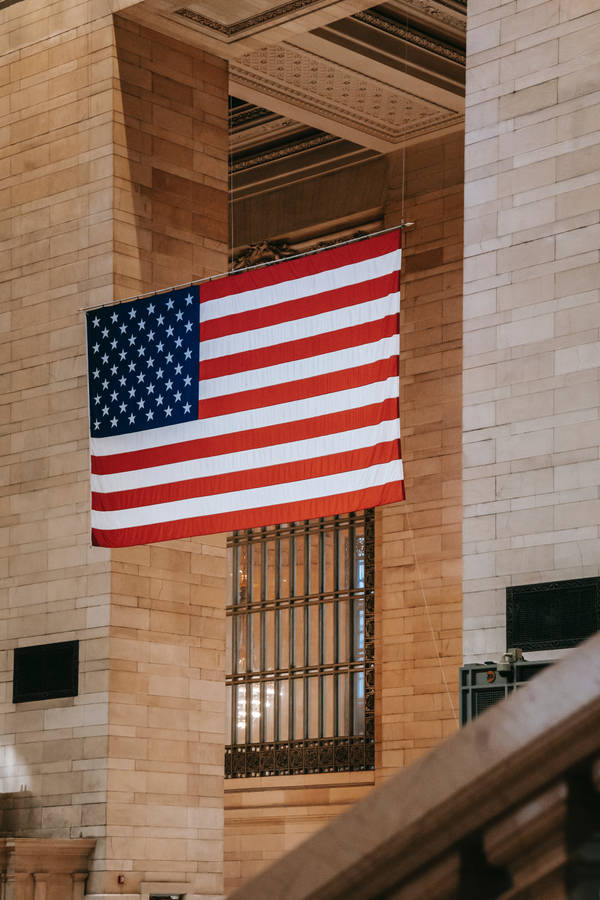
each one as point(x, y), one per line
point(531, 425)
point(79, 879)
point(113, 162)
point(418, 553)
point(18, 886)
point(40, 881)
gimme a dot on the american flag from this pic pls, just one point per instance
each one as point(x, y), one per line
point(265, 396)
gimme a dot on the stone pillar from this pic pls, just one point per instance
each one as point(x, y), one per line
point(18, 886)
point(40, 881)
point(418, 550)
point(79, 879)
point(114, 181)
point(166, 711)
point(532, 316)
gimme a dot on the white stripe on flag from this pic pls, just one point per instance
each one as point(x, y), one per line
point(325, 486)
point(296, 330)
point(352, 357)
point(245, 460)
point(305, 286)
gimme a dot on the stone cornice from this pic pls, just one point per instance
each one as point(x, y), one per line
point(251, 22)
point(454, 15)
point(276, 153)
point(410, 34)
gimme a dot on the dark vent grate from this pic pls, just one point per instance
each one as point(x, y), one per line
point(482, 686)
point(46, 671)
point(552, 615)
point(485, 698)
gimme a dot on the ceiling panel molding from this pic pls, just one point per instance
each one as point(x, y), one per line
point(380, 76)
point(373, 110)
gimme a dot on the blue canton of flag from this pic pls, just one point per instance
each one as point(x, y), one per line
point(143, 363)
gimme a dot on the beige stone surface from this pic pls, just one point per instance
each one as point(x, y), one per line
point(531, 360)
point(44, 868)
point(418, 554)
point(271, 816)
point(434, 829)
point(113, 148)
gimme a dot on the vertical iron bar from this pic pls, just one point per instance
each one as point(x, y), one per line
point(248, 639)
point(308, 611)
point(234, 641)
point(321, 636)
point(276, 630)
point(263, 625)
point(319, 613)
point(249, 598)
point(351, 615)
point(292, 618)
point(336, 621)
point(306, 557)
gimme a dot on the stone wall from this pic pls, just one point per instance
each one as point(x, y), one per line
point(532, 317)
point(418, 542)
point(56, 257)
point(167, 696)
point(418, 556)
point(113, 181)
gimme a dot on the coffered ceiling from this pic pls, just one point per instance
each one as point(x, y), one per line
point(378, 77)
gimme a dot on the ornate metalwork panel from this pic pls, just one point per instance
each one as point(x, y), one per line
point(552, 615)
point(300, 688)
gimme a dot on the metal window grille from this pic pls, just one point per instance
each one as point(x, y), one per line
point(300, 688)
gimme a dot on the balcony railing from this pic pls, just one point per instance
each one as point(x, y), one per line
point(507, 808)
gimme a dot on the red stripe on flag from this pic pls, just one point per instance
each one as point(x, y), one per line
point(299, 390)
point(248, 478)
point(311, 264)
point(302, 308)
point(346, 420)
point(251, 518)
point(354, 336)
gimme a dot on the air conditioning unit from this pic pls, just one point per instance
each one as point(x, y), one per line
point(483, 685)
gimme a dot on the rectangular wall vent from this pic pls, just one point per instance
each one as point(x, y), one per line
point(552, 615)
point(46, 671)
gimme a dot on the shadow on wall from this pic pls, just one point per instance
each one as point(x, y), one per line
point(20, 813)
point(170, 164)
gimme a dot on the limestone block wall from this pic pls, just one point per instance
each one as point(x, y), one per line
point(268, 817)
point(96, 202)
point(418, 542)
point(418, 555)
point(164, 813)
point(532, 317)
point(46, 868)
point(55, 257)
point(170, 161)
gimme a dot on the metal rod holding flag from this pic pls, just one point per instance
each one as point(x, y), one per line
point(271, 262)
point(263, 396)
